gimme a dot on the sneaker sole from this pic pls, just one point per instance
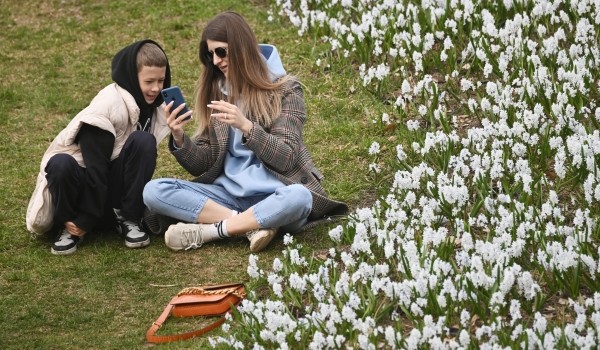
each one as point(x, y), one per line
point(63, 252)
point(260, 243)
point(140, 244)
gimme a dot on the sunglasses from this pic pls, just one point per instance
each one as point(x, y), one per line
point(221, 52)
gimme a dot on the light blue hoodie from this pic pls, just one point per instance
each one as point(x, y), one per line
point(273, 60)
point(244, 175)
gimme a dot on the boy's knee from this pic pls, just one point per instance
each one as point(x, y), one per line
point(144, 141)
point(60, 164)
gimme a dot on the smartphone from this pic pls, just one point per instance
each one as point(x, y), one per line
point(173, 93)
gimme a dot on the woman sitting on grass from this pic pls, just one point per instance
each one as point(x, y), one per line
point(255, 175)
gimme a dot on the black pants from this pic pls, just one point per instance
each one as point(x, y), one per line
point(128, 174)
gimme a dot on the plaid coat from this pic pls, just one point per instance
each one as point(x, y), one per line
point(280, 148)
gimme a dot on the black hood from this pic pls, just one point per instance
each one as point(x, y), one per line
point(124, 73)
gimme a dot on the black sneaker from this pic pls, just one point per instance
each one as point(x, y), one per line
point(66, 243)
point(135, 237)
point(156, 224)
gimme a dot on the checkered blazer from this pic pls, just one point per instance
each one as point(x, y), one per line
point(280, 148)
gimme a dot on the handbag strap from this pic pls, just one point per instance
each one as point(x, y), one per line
point(232, 288)
point(153, 338)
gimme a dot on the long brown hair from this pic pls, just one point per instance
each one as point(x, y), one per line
point(248, 82)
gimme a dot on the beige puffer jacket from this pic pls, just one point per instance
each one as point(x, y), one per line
point(114, 110)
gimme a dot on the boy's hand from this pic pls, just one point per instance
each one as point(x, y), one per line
point(74, 229)
point(175, 123)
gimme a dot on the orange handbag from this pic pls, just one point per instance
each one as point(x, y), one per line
point(212, 300)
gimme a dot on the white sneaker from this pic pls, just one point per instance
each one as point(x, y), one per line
point(182, 236)
point(65, 243)
point(134, 236)
point(260, 239)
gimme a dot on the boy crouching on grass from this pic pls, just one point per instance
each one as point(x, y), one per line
point(96, 168)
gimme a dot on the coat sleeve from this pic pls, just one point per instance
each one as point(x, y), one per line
point(280, 146)
point(194, 155)
point(96, 147)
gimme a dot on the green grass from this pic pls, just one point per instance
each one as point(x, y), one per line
point(55, 57)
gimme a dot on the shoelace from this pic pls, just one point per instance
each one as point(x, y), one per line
point(65, 237)
point(192, 238)
point(130, 225)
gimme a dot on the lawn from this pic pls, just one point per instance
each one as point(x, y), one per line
point(55, 57)
point(463, 135)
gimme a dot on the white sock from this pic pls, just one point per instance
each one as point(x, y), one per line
point(211, 232)
point(221, 227)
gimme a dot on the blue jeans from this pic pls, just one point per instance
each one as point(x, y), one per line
point(287, 209)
